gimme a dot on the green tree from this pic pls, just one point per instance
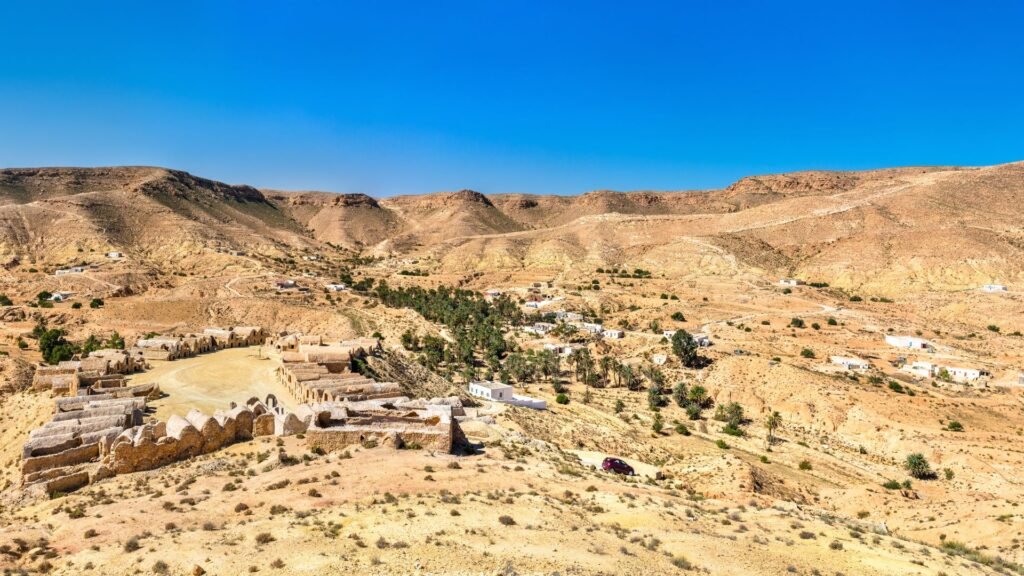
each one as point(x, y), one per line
point(679, 393)
point(772, 423)
point(685, 348)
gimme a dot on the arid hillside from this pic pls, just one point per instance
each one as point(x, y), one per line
point(52, 216)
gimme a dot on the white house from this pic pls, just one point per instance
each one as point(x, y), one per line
point(564, 350)
point(115, 255)
point(592, 328)
point(920, 368)
point(492, 293)
point(286, 284)
point(613, 334)
point(701, 339)
point(336, 287)
point(490, 390)
point(71, 270)
point(907, 342)
point(569, 316)
point(539, 328)
point(851, 363)
point(498, 392)
point(958, 374)
point(791, 282)
point(659, 359)
point(993, 288)
point(60, 296)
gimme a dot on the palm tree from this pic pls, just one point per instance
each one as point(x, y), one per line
point(772, 423)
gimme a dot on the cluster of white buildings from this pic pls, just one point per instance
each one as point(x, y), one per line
point(498, 392)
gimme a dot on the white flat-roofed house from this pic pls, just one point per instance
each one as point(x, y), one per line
point(701, 339)
point(115, 255)
point(921, 369)
point(959, 374)
point(336, 287)
point(851, 363)
point(791, 282)
point(993, 288)
point(568, 316)
point(498, 392)
point(60, 296)
point(613, 334)
point(592, 328)
point(71, 270)
point(491, 390)
point(539, 328)
point(907, 342)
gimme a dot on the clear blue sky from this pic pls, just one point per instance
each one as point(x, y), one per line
point(546, 97)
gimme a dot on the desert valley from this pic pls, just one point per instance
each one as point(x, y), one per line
point(814, 373)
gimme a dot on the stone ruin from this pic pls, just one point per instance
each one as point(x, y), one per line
point(188, 345)
point(60, 456)
point(92, 437)
point(102, 371)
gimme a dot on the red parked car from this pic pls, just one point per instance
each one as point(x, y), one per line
point(617, 466)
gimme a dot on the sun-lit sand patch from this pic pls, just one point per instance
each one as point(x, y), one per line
point(212, 381)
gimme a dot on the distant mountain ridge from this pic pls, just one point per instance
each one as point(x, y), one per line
point(900, 227)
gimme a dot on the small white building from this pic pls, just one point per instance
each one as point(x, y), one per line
point(659, 359)
point(791, 282)
point(564, 350)
point(335, 287)
point(71, 270)
point(668, 333)
point(990, 288)
point(908, 342)
point(492, 293)
point(920, 368)
point(855, 364)
point(701, 339)
point(115, 255)
point(498, 392)
point(592, 328)
point(490, 390)
point(613, 334)
point(539, 328)
point(568, 316)
point(60, 296)
point(286, 284)
point(958, 374)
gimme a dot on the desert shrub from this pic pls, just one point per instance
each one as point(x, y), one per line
point(562, 398)
point(160, 567)
point(797, 322)
point(918, 467)
point(891, 485)
point(807, 353)
point(265, 538)
point(506, 520)
point(805, 465)
point(954, 426)
point(721, 444)
point(132, 544)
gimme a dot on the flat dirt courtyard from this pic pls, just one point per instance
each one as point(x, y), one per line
point(214, 380)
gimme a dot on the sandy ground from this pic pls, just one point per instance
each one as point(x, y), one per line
point(212, 381)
